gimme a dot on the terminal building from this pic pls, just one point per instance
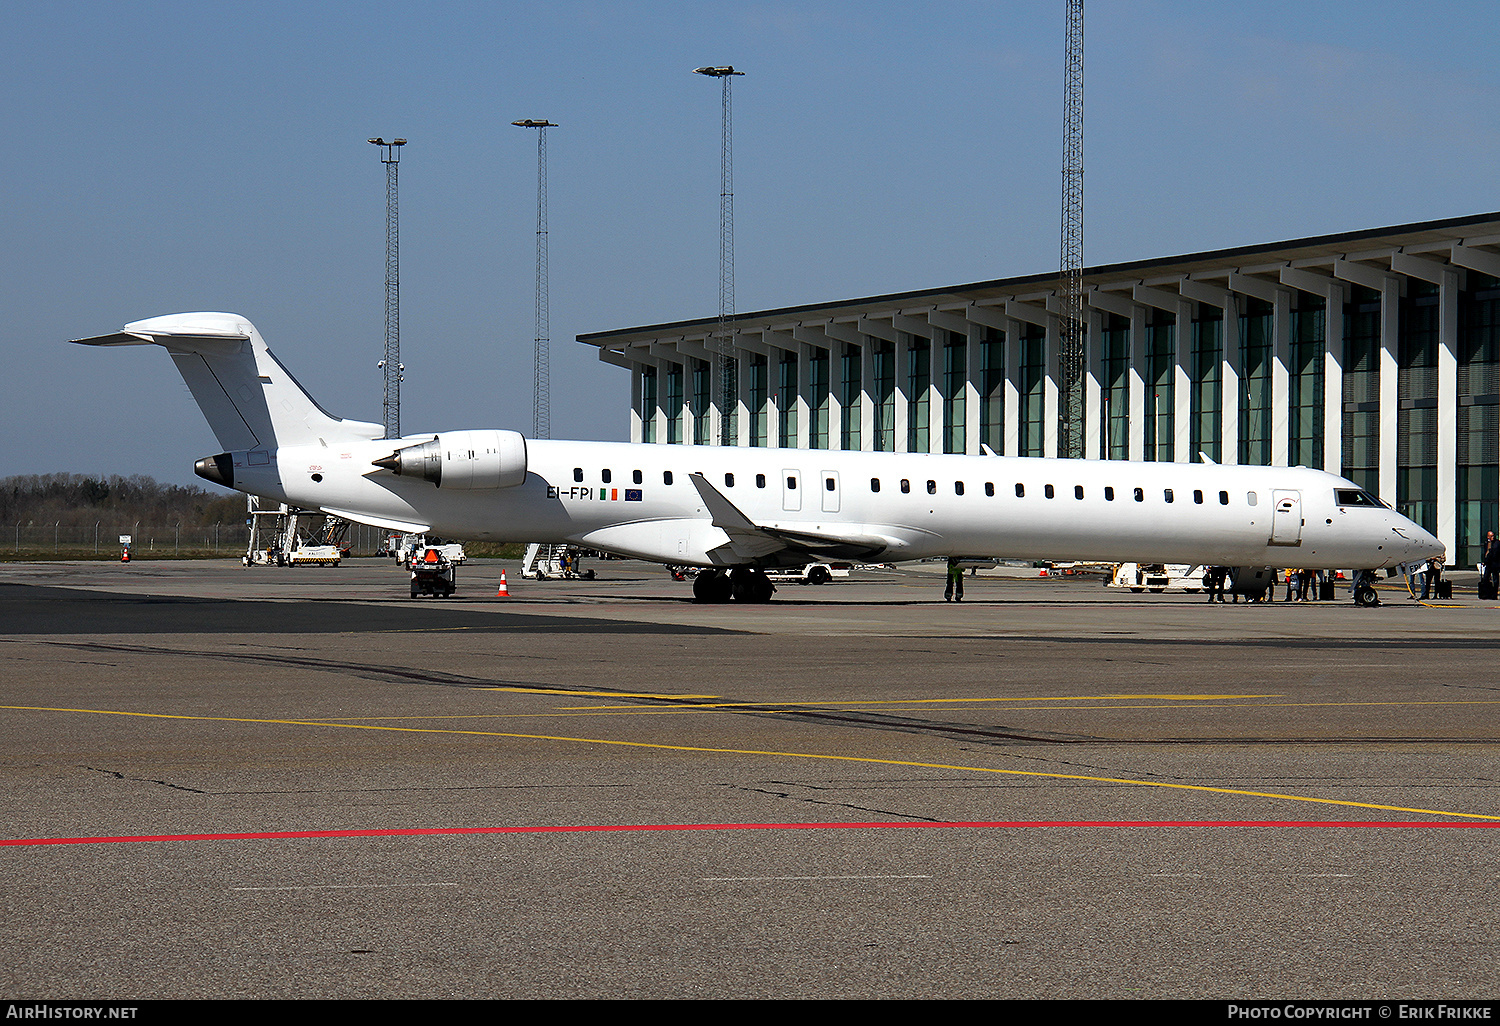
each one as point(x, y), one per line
point(1372, 354)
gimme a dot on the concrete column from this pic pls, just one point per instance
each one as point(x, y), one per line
point(1281, 392)
point(936, 420)
point(1390, 327)
point(1093, 413)
point(867, 395)
point(1447, 411)
point(1137, 383)
point(1051, 348)
point(902, 383)
point(1182, 385)
point(1012, 386)
point(637, 428)
point(1333, 378)
point(804, 398)
point(742, 401)
point(973, 371)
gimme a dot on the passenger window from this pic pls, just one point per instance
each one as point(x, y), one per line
point(791, 483)
point(760, 481)
point(577, 473)
point(728, 480)
point(666, 477)
point(1048, 491)
point(1078, 491)
point(1020, 490)
point(931, 487)
point(605, 476)
point(958, 487)
point(1140, 495)
point(635, 476)
point(905, 486)
point(828, 483)
point(874, 484)
point(989, 488)
point(1198, 496)
point(1223, 498)
point(1250, 498)
point(1167, 494)
point(1109, 493)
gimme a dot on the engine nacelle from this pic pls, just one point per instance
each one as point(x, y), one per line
point(464, 460)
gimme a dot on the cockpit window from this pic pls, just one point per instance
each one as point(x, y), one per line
point(1354, 497)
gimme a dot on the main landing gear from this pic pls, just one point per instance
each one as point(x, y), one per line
point(742, 585)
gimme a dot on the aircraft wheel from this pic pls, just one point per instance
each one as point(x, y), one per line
point(818, 575)
point(1364, 595)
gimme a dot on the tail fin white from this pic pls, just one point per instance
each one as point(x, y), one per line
point(250, 400)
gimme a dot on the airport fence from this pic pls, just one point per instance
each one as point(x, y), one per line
point(150, 540)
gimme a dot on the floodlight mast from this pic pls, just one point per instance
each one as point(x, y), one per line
point(391, 367)
point(541, 386)
point(723, 344)
point(1072, 430)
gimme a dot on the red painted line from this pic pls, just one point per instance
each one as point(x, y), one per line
point(678, 827)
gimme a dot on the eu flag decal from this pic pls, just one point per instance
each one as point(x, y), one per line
point(632, 495)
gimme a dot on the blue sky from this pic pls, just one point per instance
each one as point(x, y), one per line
point(164, 157)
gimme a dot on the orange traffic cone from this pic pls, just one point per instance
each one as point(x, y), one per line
point(504, 591)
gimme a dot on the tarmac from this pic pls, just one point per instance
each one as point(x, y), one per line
point(300, 783)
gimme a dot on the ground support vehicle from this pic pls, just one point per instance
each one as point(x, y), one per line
point(432, 573)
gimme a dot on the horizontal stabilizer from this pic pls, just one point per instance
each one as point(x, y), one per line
point(249, 399)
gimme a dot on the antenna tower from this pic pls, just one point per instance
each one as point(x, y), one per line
point(724, 340)
point(541, 385)
point(1072, 430)
point(390, 156)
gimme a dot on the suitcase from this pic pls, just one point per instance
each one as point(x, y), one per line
point(1486, 591)
point(1445, 590)
point(1325, 591)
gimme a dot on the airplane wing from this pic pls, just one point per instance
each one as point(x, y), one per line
point(751, 541)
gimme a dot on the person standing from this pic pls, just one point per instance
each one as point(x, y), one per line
point(955, 589)
point(1489, 564)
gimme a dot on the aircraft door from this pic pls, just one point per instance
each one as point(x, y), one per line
point(830, 491)
point(791, 490)
point(1286, 517)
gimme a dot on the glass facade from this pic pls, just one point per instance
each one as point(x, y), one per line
point(1478, 449)
point(1031, 386)
point(1114, 388)
point(817, 385)
point(1161, 363)
point(1361, 459)
point(1305, 381)
point(1206, 379)
point(918, 378)
point(992, 390)
point(786, 400)
point(955, 374)
point(1416, 405)
point(849, 397)
point(1440, 419)
point(1255, 381)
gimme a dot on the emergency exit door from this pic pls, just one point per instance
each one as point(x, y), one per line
point(830, 490)
point(1286, 517)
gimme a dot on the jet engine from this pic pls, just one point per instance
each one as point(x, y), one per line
point(463, 460)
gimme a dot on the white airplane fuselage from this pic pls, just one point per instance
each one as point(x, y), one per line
point(565, 498)
point(758, 507)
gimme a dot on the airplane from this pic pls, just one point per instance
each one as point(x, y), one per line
point(738, 511)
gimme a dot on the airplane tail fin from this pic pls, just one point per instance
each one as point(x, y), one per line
point(249, 399)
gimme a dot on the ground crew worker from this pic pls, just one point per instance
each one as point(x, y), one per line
point(955, 589)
